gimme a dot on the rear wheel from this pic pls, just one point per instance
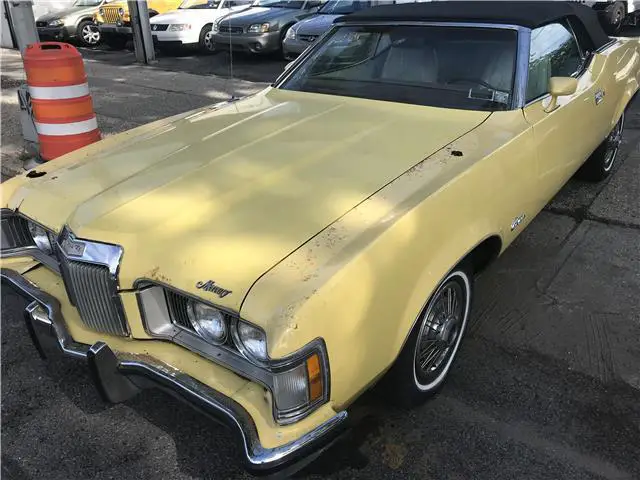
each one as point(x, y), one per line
point(601, 162)
point(88, 33)
point(431, 348)
point(206, 39)
point(613, 16)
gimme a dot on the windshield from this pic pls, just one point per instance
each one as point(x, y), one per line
point(343, 7)
point(87, 3)
point(297, 4)
point(449, 67)
point(199, 4)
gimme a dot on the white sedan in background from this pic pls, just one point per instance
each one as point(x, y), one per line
point(191, 24)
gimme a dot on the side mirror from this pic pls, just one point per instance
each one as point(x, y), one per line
point(559, 87)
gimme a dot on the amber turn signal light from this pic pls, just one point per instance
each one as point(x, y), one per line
point(315, 377)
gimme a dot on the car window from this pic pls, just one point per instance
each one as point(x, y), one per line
point(294, 4)
point(450, 67)
point(343, 7)
point(554, 53)
point(199, 4)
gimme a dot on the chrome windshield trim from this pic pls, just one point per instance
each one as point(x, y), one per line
point(522, 68)
point(522, 54)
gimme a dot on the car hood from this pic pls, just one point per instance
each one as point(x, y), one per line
point(315, 25)
point(48, 17)
point(260, 15)
point(225, 193)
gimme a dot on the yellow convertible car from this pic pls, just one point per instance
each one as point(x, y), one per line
point(269, 259)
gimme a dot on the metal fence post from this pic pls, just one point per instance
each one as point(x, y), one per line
point(23, 23)
point(142, 39)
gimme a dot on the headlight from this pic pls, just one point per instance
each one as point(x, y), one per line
point(101, 11)
point(56, 23)
point(291, 34)
point(298, 384)
point(18, 232)
point(121, 11)
point(252, 342)
point(41, 238)
point(179, 27)
point(258, 28)
point(209, 322)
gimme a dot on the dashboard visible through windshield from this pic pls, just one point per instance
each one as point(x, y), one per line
point(451, 67)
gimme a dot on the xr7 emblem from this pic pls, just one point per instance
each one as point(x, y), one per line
point(517, 221)
point(210, 286)
point(599, 97)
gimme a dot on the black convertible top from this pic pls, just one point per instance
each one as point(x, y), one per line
point(528, 14)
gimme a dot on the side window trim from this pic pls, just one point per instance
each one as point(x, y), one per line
point(579, 72)
point(585, 56)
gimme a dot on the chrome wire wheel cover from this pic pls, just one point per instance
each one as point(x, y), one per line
point(90, 34)
point(613, 142)
point(208, 41)
point(442, 327)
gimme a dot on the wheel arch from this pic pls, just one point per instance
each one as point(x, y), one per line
point(285, 28)
point(85, 18)
point(477, 258)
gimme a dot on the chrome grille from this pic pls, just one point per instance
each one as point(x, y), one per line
point(94, 293)
point(178, 308)
point(227, 29)
point(111, 15)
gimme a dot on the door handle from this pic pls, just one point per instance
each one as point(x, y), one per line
point(599, 96)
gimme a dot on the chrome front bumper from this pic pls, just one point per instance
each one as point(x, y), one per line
point(118, 377)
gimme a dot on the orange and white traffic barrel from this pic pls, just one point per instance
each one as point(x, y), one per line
point(60, 99)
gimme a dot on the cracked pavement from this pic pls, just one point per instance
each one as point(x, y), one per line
point(547, 383)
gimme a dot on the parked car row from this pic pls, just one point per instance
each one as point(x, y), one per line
point(253, 26)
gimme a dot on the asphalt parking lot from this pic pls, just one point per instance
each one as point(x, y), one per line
point(547, 384)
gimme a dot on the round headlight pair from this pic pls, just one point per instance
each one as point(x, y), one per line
point(212, 325)
point(40, 237)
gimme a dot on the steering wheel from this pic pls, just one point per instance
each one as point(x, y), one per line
point(477, 81)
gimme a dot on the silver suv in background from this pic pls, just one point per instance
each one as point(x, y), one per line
point(261, 28)
point(72, 23)
point(307, 31)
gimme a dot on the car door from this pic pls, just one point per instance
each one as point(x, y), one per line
point(566, 136)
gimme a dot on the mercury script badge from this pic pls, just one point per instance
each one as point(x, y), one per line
point(72, 248)
point(210, 286)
